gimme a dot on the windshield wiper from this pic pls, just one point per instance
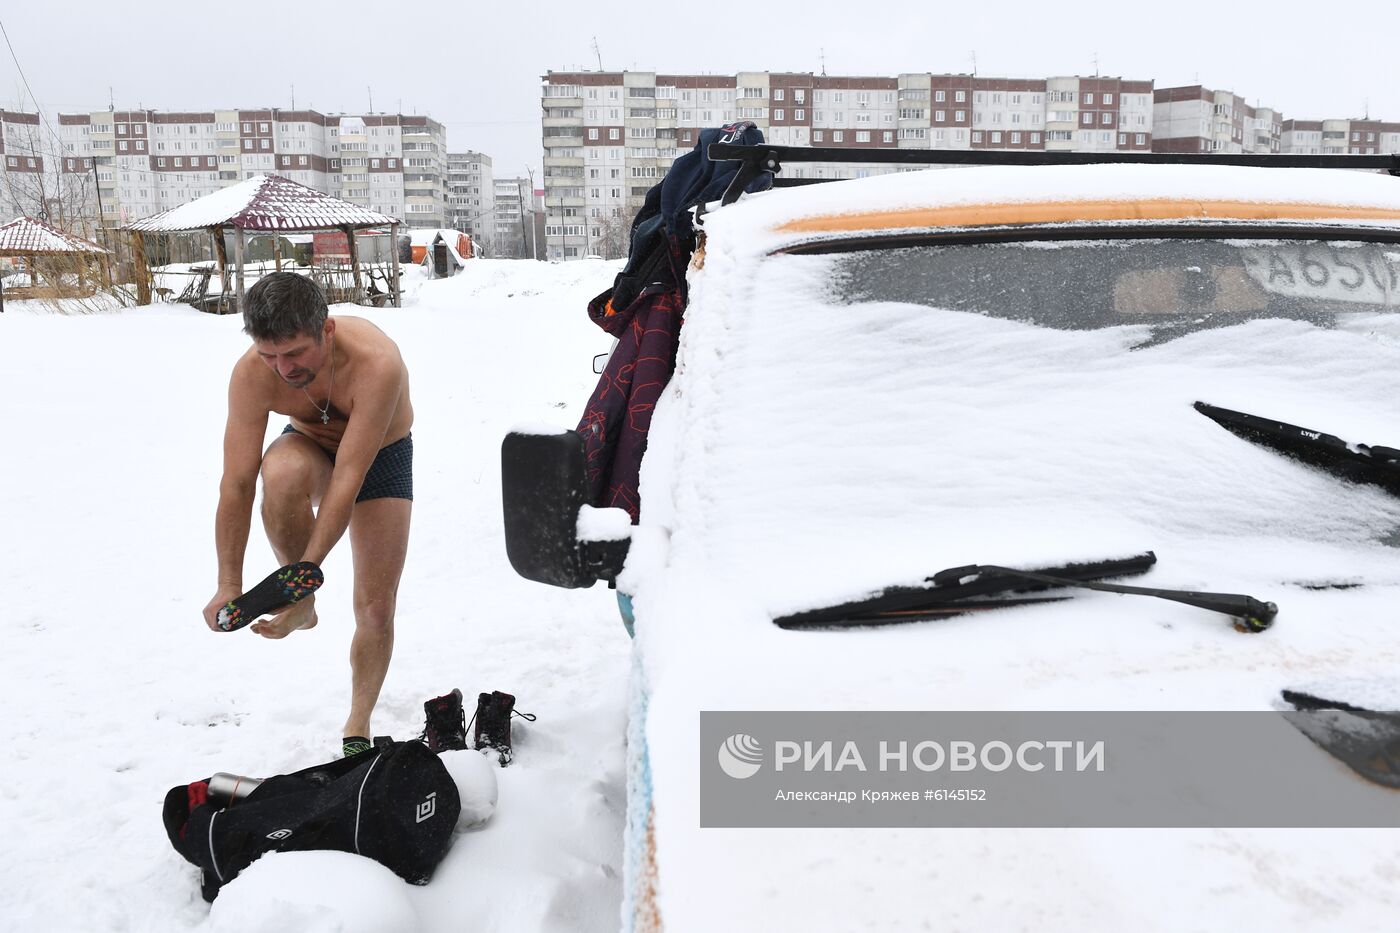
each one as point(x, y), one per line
point(977, 587)
point(1360, 463)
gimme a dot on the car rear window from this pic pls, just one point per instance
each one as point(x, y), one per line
point(1176, 285)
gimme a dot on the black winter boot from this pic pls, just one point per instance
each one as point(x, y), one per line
point(492, 719)
point(444, 724)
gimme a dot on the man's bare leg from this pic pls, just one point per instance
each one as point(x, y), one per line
point(295, 473)
point(379, 541)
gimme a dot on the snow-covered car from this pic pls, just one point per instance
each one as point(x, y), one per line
point(1183, 375)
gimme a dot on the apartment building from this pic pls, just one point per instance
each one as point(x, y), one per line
point(1199, 119)
point(21, 164)
point(609, 136)
point(471, 195)
point(148, 161)
point(1340, 137)
point(514, 217)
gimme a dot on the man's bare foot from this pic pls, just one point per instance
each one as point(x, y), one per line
point(298, 616)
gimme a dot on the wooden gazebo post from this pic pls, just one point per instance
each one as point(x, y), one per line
point(354, 260)
point(139, 268)
point(394, 264)
point(238, 260)
point(221, 251)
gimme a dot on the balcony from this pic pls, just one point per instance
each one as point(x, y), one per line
point(558, 142)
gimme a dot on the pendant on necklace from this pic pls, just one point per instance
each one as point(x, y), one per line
point(326, 416)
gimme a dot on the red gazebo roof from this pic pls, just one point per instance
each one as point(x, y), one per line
point(26, 236)
point(265, 203)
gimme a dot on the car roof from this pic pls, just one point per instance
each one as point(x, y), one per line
point(991, 196)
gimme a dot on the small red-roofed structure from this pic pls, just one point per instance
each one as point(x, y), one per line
point(35, 240)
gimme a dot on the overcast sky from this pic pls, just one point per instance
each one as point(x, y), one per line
point(476, 66)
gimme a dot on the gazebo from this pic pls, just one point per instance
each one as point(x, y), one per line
point(265, 204)
point(34, 240)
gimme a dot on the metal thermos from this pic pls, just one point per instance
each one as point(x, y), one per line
point(227, 789)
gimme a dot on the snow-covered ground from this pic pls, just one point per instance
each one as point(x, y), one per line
point(112, 690)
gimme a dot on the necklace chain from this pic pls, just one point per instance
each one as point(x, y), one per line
point(325, 412)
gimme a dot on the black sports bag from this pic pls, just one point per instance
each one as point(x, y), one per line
point(395, 804)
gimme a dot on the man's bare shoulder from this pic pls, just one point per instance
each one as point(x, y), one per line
point(372, 346)
point(250, 374)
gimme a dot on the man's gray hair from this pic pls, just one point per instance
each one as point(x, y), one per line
point(284, 305)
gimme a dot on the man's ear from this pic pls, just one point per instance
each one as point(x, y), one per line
point(328, 328)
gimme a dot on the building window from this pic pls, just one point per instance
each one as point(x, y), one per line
point(996, 138)
point(977, 136)
point(959, 116)
point(799, 114)
point(1139, 139)
point(837, 136)
point(939, 116)
point(863, 136)
point(817, 136)
point(1087, 119)
point(940, 96)
point(1108, 100)
point(160, 163)
point(1035, 139)
point(777, 93)
point(1016, 139)
point(960, 97)
point(179, 162)
point(612, 133)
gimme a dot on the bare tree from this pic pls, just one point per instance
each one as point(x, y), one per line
point(614, 234)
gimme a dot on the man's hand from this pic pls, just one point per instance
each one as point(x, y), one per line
point(222, 598)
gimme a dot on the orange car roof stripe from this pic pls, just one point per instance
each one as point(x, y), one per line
point(1057, 212)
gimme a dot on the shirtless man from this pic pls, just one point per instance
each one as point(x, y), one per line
point(347, 453)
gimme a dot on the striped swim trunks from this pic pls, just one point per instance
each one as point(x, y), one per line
point(390, 476)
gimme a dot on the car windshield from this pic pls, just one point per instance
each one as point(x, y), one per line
point(1175, 285)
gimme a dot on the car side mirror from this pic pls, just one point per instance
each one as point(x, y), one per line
point(544, 491)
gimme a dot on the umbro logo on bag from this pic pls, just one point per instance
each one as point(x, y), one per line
point(279, 834)
point(427, 808)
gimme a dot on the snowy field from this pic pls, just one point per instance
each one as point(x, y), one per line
point(112, 690)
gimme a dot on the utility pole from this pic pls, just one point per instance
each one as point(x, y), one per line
point(101, 215)
point(534, 248)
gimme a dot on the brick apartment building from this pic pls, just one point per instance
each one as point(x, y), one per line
point(148, 161)
point(609, 136)
point(21, 164)
point(1341, 137)
point(1198, 119)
